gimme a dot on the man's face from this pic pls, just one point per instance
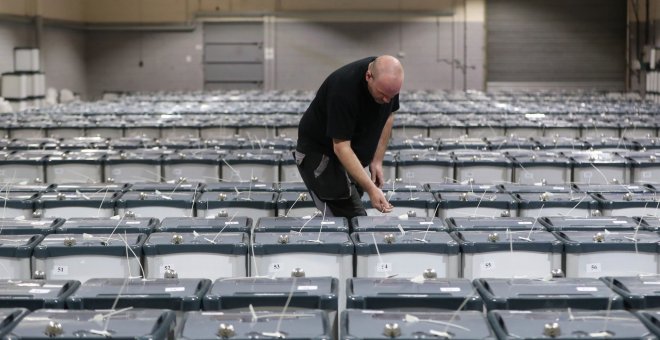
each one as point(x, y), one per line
point(382, 89)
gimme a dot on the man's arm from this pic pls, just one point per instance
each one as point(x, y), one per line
point(376, 166)
point(349, 160)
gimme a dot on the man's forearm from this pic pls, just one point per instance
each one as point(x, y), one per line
point(351, 163)
point(384, 140)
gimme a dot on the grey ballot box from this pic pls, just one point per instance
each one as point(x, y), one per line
point(504, 254)
point(637, 292)
point(599, 253)
point(174, 294)
point(36, 294)
point(301, 292)
point(397, 223)
point(240, 224)
point(12, 226)
point(196, 255)
point(298, 324)
point(395, 293)
point(299, 224)
point(10, 317)
point(15, 255)
point(382, 254)
point(152, 324)
point(526, 294)
point(492, 223)
point(572, 324)
point(103, 225)
point(381, 324)
point(84, 256)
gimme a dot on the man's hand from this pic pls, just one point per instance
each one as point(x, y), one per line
point(379, 202)
point(376, 169)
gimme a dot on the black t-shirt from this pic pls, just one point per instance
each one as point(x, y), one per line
point(344, 109)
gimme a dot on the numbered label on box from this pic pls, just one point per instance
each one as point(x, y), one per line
point(383, 267)
point(60, 270)
point(594, 268)
point(274, 267)
point(488, 265)
point(165, 268)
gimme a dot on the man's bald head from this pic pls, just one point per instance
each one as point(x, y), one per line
point(384, 78)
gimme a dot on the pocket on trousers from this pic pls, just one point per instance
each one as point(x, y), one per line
point(325, 176)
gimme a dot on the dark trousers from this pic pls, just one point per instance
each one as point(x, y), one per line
point(333, 191)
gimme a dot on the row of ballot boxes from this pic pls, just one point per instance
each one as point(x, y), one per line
point(147, 165)
point(209, 165)
point(326, 293)
point(303, 308)
point(275, 124)
point(376, 247)
point(403, 145)
point(444, 201)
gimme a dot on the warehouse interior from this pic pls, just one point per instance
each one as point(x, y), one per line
point(150, 189)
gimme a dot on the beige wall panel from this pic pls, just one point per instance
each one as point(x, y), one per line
point(70, 10)
point(64, 59)
point(209, 6)
point(231, 6)
point(252, 5)
point(135, 11)
point(17, 7)
point(345, 5)
point(476, 10)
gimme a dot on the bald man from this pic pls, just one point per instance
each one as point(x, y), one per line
point(345, 129)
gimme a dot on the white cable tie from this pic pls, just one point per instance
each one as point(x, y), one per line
point(418, 279)
point(411, 318)
point(440, 334)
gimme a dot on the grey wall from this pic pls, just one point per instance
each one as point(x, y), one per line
point(432, 50)
point(171, 61)
point(63, 55)
point(559, 43)
point(13, 34)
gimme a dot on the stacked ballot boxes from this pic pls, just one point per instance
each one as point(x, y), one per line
point(157, 324)
point(549, 293)
point(102, 225)
point(157, 203)
point(370, 324)
point(195, 255)
point(553, 323)
point(201, 165)
point(15, 255)
point(284, 224)
point(85, 256)
point(424, 292)
point(76, 204)
point(36, 294)
point(108, 293)
point(543, 167)
point(425, 166)
point(598, 253)
point(575, 204)
point(422, 204)
point(242, 166)
point(505, 254)
point(638, 292)
point(407, 254)
point(230, 204)
point(301, 324)
point(296, 204)
point(473, 203)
